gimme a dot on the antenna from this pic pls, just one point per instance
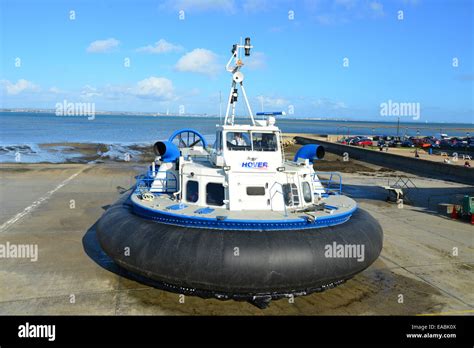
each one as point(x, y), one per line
point(237, 80)
point(220, 107)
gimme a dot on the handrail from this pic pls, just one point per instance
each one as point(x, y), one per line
point(145, 181)
point(281, 193)
point(329, 184)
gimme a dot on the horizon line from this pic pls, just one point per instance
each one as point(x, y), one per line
point(206, 115)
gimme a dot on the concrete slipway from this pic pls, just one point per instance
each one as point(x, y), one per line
point(56, 205)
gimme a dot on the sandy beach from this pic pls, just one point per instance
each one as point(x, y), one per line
point(55, 206)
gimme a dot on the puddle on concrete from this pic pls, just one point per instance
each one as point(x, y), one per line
point(374, 292)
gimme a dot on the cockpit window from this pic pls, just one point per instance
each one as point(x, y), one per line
point(264, 141)
point(238, 141)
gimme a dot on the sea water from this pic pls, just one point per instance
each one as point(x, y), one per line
point(23, 132)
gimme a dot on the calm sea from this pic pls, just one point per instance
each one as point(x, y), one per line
point(26, 130)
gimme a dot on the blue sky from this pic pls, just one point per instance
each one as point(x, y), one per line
point(297, 60)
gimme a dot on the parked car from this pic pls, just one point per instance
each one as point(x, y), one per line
point(470, 144)
point(363, 142)
point(397, 141)
point(345, 140)
point(349, 140)
point(454, 141)
point(424, 142)
point(461, 144)
point(408, 143)
point(354, 140)
point(444, 143)
point(386, 141)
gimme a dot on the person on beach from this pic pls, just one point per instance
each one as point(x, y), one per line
point(417, 155)
point(467, 164)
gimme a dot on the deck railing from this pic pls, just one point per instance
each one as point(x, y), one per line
point(332, 185)
point(169, 183)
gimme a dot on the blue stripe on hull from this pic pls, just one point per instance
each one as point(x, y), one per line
point(233, 224)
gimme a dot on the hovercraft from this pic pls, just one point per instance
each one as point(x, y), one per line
point(237, 220)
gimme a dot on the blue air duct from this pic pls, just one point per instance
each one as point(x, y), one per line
point(168, 151)
point(311, 152)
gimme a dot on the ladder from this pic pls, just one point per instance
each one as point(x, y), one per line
point(295, 198)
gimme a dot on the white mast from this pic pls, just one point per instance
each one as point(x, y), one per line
point(220, 107)
point(237, 80)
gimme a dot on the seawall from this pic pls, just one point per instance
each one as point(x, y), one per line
point(417, 166)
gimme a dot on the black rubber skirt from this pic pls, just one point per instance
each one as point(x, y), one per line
point(244, 265)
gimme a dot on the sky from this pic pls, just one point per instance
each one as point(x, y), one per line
point(324, 58)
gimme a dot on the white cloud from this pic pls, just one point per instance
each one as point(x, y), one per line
point(116, 92)
point(348, 4)
point(272, 102)
point(161, 46)
point(158, 88)
point(102, 46)
point(377, 8)
point(155, 88)
point(227, 6)
point(255, 6)
point(257, 60)
point(200, 61)
point(89, 92)
point(20, 86)
point(55, 90)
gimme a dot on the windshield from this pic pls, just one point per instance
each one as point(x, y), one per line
point(238, 141)
point(264, 141)
point(255, 141)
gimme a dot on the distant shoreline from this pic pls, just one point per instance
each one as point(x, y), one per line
point(469, 127)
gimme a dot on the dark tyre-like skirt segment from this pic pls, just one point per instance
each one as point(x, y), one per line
point(244, 265)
